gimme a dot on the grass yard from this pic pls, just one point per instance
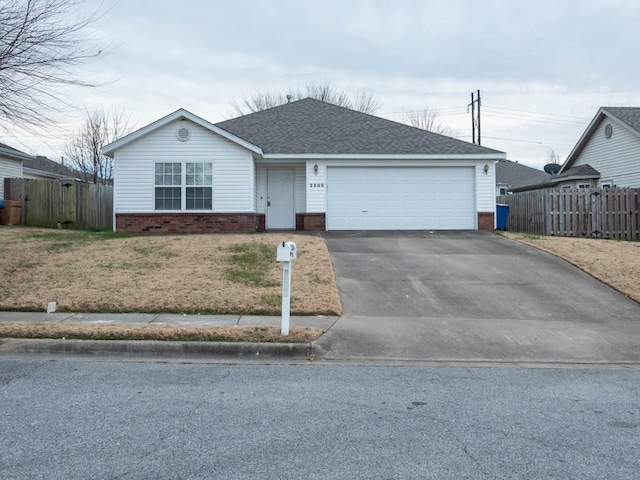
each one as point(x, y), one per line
point(105, 272)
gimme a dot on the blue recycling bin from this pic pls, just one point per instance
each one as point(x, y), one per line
point(502, 212)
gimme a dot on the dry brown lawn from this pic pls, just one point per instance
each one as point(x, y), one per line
point(136, 331)
point(103, 272)
point(616, 263)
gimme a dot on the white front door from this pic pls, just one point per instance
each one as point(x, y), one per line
point(280, 206)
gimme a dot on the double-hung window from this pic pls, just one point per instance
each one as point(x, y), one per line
point(184, 186)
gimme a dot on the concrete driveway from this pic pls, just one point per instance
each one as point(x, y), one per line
point(472, 296)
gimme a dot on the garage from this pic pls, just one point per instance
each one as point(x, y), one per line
point(401, 198)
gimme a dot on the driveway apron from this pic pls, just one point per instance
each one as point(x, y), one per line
point(472, 296)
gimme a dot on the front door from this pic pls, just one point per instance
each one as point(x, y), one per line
point(280, 207)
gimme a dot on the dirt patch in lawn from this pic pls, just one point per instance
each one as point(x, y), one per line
point(614, 262)
point(104, 272)
point(136, 331)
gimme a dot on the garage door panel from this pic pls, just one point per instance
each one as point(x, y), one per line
point(389, 198)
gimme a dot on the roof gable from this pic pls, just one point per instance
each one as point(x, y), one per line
point(309, 126)
point(626, 117)
point(181, 113)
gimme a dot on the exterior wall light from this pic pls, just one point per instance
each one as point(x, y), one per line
point(486, 168)
point(315, 169)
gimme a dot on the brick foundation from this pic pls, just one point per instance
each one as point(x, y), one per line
point(314, 222)
point(486, 221)
point(174, 223)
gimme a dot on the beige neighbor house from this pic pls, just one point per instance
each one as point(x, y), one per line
point(305, 165)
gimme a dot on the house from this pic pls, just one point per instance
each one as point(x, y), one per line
point(513, 175)
point(306, 165)
point(11, 164)
point(608, 152)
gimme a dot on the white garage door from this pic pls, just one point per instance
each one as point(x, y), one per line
point(401, 198)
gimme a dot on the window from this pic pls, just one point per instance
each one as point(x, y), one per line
point(566, 187)
point(168, 190)
point(193, 183)
point(584, 185)
point(606, 184)
point(199, 186)
point(503, 190)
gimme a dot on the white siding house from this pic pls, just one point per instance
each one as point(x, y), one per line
point(304, 165)
point(10, 165)
point(611, 146)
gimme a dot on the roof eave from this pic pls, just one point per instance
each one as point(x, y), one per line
point(109, 150)
point(15, 155)
point(386, 156)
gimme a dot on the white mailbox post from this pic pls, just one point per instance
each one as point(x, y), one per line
point(286, 253)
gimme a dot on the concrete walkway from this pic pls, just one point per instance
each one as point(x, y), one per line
point(161, 349)
point(323, 322)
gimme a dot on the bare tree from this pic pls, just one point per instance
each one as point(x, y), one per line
point(427, 119)
point(363, 101)
point(84, 150)
point(553, 157)
point(41, 43)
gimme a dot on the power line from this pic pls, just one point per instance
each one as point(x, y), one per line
point(537, 113)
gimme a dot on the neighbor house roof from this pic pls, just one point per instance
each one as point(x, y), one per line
point(581, 172)
point(44, 165)
point(626, 117)
point(8, 151)
point(516, 175)
point(309, 126)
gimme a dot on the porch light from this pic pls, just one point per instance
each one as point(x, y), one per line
point(486, 168)
point(315, 169)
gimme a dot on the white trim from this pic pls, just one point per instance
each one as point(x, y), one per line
point(385, 156)
point(181, 113)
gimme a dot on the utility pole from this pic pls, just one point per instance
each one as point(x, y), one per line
point(475, 116)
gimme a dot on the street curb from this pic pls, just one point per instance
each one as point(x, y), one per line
point(154, 348)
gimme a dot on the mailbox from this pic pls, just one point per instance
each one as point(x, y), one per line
point(286, 252)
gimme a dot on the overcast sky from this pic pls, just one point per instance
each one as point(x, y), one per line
point(543, 67)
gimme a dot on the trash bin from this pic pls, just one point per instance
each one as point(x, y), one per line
point(502, 212)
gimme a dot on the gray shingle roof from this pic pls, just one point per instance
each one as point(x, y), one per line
point(517, 175)
point(7, 147)
point(44, 164)
point(310, 126)
point(629, 115)
point(580, 170)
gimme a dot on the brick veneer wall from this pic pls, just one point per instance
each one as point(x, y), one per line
point(172, 223)
point(485, 221)
point(314, 222)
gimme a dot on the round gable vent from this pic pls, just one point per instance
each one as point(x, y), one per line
point(608, 130)
point(183, 134)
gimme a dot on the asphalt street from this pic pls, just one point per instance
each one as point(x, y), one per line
point(77, 419)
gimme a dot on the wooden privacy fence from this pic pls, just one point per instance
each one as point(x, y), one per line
point(607, 212)
point(54, 203)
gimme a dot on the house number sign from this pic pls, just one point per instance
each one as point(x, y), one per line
point(316, 185)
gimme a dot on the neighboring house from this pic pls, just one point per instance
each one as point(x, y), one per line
point(306, 165)
point(17, 164)
point(610, 148)
point(513, 175)
point(11, 164)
